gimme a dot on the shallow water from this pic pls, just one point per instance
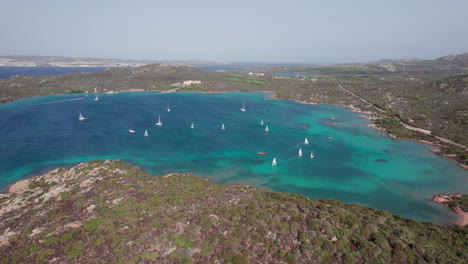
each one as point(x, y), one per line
point(357, 164)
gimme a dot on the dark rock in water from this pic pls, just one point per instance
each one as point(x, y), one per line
point(330, 124)
point(302, 125)
point(380, 160)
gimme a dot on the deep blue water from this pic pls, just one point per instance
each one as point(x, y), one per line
point(7, 71)
point(352, 162)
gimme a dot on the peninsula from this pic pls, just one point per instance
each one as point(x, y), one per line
point(122, 214)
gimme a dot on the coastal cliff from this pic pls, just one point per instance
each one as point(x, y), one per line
point(112, 212)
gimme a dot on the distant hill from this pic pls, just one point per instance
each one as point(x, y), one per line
point(418, 68)
point(111, 212)
point(58, 61)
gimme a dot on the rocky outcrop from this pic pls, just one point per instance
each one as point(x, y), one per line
point(456, 203)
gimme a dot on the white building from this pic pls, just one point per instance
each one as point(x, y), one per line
point(191, 82)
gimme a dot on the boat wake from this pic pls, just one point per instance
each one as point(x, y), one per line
point(53, 102)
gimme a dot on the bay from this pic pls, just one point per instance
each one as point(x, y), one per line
point(352, 163)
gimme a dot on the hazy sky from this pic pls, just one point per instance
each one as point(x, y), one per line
point(304, 31)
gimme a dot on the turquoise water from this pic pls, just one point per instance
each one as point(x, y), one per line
point(358, 164)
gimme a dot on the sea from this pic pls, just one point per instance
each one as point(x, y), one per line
point(351, 162)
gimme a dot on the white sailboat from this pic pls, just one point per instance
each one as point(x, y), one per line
point(273, 163)
point(223, 127)
point(243, 107)
point(97, 98)
point(267, 129)
point(300, 153)
point(262, 123)
point(168, 108)
point(192, 126)
point(306, 141)
point(159, 123)
point(131, 131)
point(146, 133)
point(81, 117)
point(312, 154)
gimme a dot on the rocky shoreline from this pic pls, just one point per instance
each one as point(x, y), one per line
point(449, 200)
point(122, 214)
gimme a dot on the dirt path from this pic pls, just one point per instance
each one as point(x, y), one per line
point(421, 130)
point(170, 91)
point(362, 99)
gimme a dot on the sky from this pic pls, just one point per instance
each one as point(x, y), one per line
point(294, 31)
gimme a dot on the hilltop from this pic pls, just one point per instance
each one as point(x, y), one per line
point(112, 212)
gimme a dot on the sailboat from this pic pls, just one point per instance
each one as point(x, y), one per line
point(300, 153)
point(267, 129)
point(168, 108)
point(262, 123)
point(273, 163)
point(192, 126)
point(312, 154)
point(97, 98)
point(243, 107)
point(223, 127)
point(146, 133)
point(131, 131)
point(306, 141)
point(81, 117)
point(159, 123)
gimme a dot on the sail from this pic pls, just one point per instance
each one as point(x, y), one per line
point(262, 123)
point(146, 133)
point(273, 162)
point(223, 127)
point(168, 108)
point(312, 154)
point(97, 98)
point(192, 126)
point(300, 153)
point(159, 123)
point(267, 129)
point(81, 117)
point(306, 141)
point(243, 107)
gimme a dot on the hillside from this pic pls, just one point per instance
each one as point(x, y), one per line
point(422, 69)
point(439, 106)
point(111, 212)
